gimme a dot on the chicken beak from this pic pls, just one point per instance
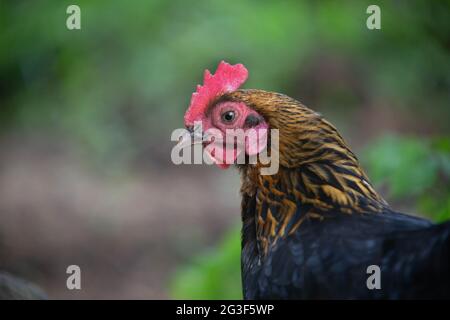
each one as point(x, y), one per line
point(194, 135)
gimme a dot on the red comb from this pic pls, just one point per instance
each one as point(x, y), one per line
point(226, 79)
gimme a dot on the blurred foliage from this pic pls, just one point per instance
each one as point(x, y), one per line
point(411, 168)
point(214, 274)
point(124, 79)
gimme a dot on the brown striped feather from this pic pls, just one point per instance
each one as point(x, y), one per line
point(319, 175)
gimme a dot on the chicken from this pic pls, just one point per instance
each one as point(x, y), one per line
point(315, 228)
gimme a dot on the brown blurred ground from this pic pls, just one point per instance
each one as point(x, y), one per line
point(126, 234)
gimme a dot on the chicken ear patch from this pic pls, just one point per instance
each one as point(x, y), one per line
point(227, 78)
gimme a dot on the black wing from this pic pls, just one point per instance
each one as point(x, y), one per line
point(329, 259)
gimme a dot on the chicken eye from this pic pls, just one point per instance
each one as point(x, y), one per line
point(228, 116)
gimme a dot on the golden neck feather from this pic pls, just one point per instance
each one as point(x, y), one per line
point(319, 175)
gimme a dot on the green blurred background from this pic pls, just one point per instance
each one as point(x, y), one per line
point(86, 117)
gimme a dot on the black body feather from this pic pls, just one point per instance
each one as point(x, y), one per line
point(328, 259)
